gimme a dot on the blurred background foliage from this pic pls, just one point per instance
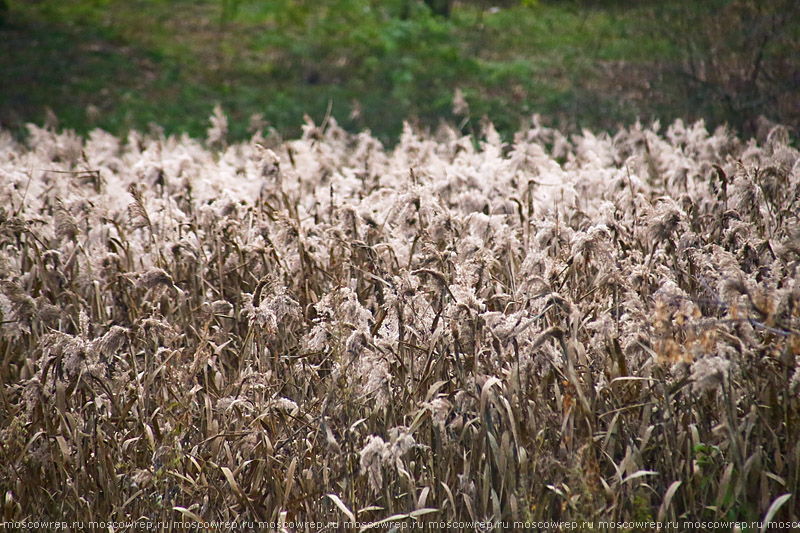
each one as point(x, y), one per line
point(121, 64)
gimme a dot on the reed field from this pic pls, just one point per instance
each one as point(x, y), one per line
point(322, 330)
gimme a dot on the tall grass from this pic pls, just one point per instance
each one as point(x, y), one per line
point(588, 328)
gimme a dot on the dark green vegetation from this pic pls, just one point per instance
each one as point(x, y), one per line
point(119, 64)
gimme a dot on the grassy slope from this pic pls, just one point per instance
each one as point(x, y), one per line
point(169, 62)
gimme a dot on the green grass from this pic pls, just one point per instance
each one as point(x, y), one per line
point(170, 62)
point(148, 61)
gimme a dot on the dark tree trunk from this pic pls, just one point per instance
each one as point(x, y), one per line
point(3, 11)
point(440, 7)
